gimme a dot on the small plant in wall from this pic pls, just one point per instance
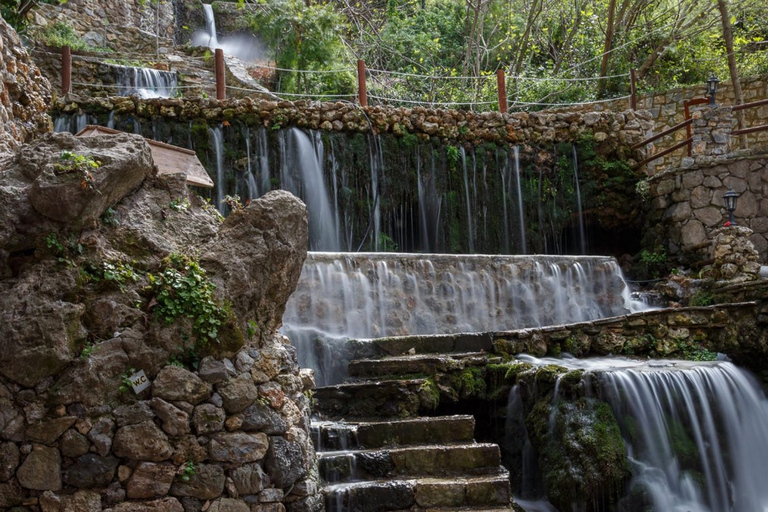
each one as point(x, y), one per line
point(182, 289)
point(81, 165)
point(186, 471)
point(125, 381)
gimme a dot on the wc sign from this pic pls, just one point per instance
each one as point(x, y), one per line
point(139, 381)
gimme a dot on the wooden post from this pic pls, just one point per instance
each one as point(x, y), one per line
point(501, 84)
point(362, 92)
point(66, 70)
point(632, 90)
point(221, 92)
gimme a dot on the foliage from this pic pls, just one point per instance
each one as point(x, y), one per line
point(693, 352)
point(65, 251)
point(701, 298)
point(180, 205)
point(109, 217)
point(15, 11)
point(654, 263)
point(233, 202)
point(112, 272)
point(79, 164)
point(87, 351)
point(545, 44)
point(304, 36)
point(187, 471)
point(125, 380)
point(61, 34)
point(182, 289)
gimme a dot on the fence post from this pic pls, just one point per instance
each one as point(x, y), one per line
point(501, 84)
point(362, 92)
point(220, 86)
point(66, 70)
point(632, 90)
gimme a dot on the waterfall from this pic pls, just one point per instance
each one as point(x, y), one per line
point(217, 141)
point(145, 82)
point(521, 217)
point(696, 433)
point(367, 295)
point(73, 124)
point(210, 27)
point(470, 231)
point(582, 233)
point(301, 172)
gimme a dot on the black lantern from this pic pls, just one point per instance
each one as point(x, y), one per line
point(712, 89)
point(729, 198)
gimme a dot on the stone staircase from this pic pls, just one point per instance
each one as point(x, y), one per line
point(379, 451)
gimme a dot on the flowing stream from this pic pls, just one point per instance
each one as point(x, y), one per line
point(369, 295)
point(696, 433)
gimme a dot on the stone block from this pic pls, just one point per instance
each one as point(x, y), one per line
point(440, 493)
point(692, 233)
point(41, 470)
point(150, 480)
point(710, 216)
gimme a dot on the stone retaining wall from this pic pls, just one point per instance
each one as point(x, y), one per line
point(613, 128)
point(666, 109)
point(103, 22)
point(24, 94)
point(685, 205)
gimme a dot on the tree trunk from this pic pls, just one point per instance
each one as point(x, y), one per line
point(728, 36)
point(606, 48)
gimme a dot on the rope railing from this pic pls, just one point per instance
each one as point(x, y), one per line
point(392, 87)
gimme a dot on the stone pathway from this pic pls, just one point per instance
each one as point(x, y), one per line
point(378, 451)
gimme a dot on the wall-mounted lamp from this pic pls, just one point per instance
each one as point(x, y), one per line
point(712, 89)
point(729, 198)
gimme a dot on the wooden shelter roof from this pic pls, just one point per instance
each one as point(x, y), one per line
point(169, 159)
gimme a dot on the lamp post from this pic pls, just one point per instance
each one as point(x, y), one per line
point(712, 89)
point(729, 198)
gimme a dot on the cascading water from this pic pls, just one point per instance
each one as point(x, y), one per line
point(218, 151)
point(367, 295)
point(301, 172)
point(580, 219)
point(696, 433)
point(242, 46)
point(145, 82)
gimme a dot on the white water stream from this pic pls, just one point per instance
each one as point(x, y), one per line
point(699, 436)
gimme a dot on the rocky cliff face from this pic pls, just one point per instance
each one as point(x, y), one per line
point(24, 94)
point(107, 269)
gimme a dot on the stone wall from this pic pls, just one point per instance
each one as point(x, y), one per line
point(685, 205)
point(224, 423)
point(611, 128)
point(102, 22)
point(24, 94)
point(667, 109)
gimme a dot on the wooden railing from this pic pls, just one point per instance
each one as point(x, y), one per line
point(679, 126)
point(754, 129)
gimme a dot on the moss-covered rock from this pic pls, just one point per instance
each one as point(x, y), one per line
point(582, 455)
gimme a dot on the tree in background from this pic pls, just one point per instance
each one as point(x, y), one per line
point(304, 36)
point(542, 44)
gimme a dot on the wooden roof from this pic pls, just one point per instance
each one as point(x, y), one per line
point(169, 159)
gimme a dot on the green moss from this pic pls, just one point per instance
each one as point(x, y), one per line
point(470, 383)
point(583, 458)
point(429, 395)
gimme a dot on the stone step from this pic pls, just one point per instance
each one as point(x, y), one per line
point(488, 492)
point(376, 399)
point(429, 460)
point(368, 435)
point(417, 364)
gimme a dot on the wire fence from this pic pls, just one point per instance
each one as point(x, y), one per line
point(485, 92)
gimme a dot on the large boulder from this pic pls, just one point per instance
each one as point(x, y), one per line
point(257, 258)
point(78, 178)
